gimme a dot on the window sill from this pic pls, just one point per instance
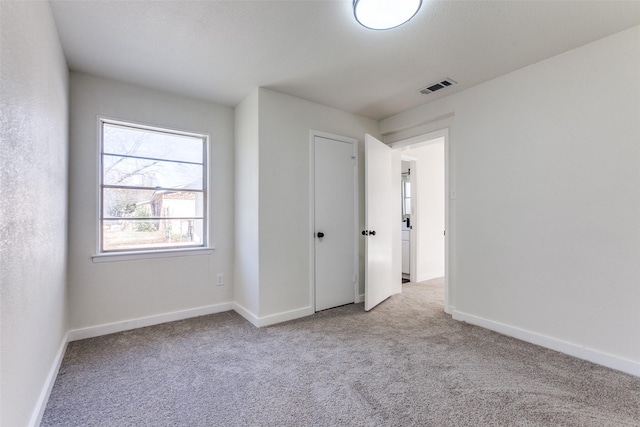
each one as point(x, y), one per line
point(132, 256)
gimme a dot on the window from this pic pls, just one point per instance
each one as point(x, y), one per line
point(406, 196)
point(153, 188)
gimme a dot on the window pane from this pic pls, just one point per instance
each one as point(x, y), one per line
point(151, 234)
point(407, 206)
point(151, 173)
point(147, 143)
point(126, 203)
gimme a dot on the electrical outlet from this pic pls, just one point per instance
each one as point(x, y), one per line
point(220, 279)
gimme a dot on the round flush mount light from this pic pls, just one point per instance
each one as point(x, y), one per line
point(384, 14)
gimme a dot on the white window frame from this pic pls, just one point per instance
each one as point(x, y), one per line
point(160, 252)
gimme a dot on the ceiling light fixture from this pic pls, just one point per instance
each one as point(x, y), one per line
point(384, 14)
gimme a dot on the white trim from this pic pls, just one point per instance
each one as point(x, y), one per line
point(356, 202)
point(448, 224)
point(356, 219)
point(131, 256)
point(442, 133)
point(95, 331)
point(151, 127)
point(41, 404)
point(248, 315)
point(141, 322)
point(312, 218)
point(614, 362)
point(575, 350)
point(272, 319)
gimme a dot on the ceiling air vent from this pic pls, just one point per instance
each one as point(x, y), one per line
point(438, 86)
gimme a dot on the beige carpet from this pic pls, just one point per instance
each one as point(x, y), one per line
point(405, 363)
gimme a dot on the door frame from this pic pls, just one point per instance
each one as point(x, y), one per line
point(449, 195)
point(413, 231)
point(312, 249)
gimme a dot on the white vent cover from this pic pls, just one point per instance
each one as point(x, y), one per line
point(437, 86)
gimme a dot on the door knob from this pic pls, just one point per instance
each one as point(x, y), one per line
point(372, 232)
point(320, 235)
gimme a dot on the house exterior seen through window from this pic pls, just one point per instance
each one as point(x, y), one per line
point(153, 188)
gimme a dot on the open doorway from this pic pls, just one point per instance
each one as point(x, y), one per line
point(406, 165)
point(422, 193)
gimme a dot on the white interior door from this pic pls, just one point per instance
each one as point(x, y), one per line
point(335, 222)
point(381, 205)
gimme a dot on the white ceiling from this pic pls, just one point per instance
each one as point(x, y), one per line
point(314, 49)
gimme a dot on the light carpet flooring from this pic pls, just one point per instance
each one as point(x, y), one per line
point(405, 363)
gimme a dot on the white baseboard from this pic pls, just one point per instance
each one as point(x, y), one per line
point(110, 328)
point(41, 404)
point(242, 311)
point(273, 318)
point(126, 325)
point(581, 352)
point(591, 355)
point(359, 299)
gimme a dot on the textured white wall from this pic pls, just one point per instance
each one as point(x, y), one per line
point(284, 125)
point(430, 210)
point(101, 293)
point(547, 236)
point(247, 258)
point(33, 205)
